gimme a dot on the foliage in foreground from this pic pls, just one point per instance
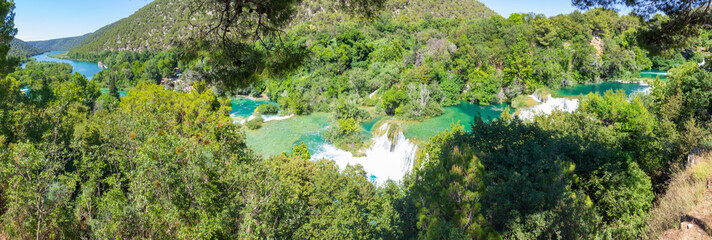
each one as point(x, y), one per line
point(164, 164)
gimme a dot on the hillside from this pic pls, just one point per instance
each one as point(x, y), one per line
point(324, 12)
point(19, 48)
point(159, 24)
point(684, 211)
point(153, 27)
point(60, 44)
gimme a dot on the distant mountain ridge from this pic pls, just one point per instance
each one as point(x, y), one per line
point(19, 48)
point(158, 25)
point(60, 44)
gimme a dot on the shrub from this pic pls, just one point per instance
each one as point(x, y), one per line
point(254, 123)
point(267, 108)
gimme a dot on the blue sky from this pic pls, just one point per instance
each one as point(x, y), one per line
point(50, 19)
point(547, 7)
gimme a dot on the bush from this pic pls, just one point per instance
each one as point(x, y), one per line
point(254, 123)
point(706, 143)
point(267, 108)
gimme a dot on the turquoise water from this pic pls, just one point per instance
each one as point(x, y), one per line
point(276, 137)
point(368, 124)
point(106, 90)
point(88, 69)
point(582, 90)
point(654, 74)
point(244, 107)
point(463, 113)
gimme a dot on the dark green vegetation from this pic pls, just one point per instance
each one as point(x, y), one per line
point(7, 34)
point(19, 48)
point(165, 164)
point(684, 20)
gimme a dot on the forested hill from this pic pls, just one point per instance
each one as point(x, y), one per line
point(324, 12)
point(19, 48)
point(159, 24)
point(60, 44)
point(153, 27)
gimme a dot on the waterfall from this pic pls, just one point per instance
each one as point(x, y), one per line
point(563, 104)
point(385, 159)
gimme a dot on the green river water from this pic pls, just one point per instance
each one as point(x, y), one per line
point(654, 74)
point(582, 90)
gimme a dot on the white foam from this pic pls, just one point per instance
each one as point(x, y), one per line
point(384, 159)
point(563, 104)
point(276, 118)
point(266, 118)
point(371, 95)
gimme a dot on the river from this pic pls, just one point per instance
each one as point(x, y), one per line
point(88, 69)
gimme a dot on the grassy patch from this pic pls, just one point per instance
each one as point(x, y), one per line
point(60, 56)
point(685, 193)
point(702, 170)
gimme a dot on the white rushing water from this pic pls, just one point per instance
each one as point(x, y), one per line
point(384, 159)
point(276, 117)
point(548, 106)
point(266, 118)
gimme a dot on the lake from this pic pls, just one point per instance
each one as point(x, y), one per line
point(88, 69)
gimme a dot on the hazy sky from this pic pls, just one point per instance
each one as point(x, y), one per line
point(50, 19)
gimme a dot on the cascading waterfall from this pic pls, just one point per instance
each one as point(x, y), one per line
point(385, 159)
point(551, 104)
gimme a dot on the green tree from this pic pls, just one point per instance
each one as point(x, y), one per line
point(392, 99)
point(7, 34)
point(228, 44)
point(519, 67)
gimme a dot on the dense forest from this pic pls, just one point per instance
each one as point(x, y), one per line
point(19, 48)
point(167, 162)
